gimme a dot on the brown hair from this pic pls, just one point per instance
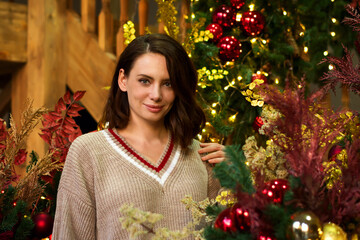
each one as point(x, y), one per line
point(186, 118)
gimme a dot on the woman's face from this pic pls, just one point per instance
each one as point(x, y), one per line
point(148, 88)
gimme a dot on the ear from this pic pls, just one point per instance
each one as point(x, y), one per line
point(122, 80)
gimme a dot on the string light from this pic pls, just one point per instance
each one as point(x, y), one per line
point(277, 81)
point(284, 13)
point(238, 17)
point(331, 67)
point(239, 78)
point(333, 34)
point(253, 40)
point(251, 7)
point(233, 117)
point(326, 53)
point(306, 49)
point(192, 15)
point(264, 41)
point(211, 9)
point(333, 20)
point(301, 34)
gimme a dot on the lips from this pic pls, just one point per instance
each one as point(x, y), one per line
point(153, 108)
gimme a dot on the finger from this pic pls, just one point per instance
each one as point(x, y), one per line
point(216, 160)
point(213, 147)
point(213, 155)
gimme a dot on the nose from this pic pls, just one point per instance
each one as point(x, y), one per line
point(155, 93)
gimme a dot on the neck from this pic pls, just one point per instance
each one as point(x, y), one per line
point(147, 132)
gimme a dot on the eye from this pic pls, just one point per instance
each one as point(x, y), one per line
point(167, 84)
point(144, 81)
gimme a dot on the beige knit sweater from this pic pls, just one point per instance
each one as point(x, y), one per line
point(102, 172)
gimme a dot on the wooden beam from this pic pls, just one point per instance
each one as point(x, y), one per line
point(5, 96)
point(13, 32)
point(43, 78)
point(89, 67)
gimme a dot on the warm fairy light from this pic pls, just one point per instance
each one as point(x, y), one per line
point(229, 63)
point(306, 49)
point(251, 7)
point(264, 41)
point(333, 34)
point(258, 72)
point(232, 118)
point(277, 81)
point(284, 13)
point(211, 9)
point(299, 86)
point(204, 130)
point(226, 87)
point(331, 67)
point(207, 124)
point(213, 112)
point(239, 78)
point(333, 20)
point(214, 104)
point(253, 40)
point(43, 198)
point(326, 53)
point(238, 17)
point(192, 15)
point(301, 34)
point(199, 136)
point(189, 55)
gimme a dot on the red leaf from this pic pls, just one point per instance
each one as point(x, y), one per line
point(60, 106)
point(78, 95)
point(72, 113)
point(45, 137)
point(20, 157)
point(76, 107)
point(70, 121)
point(67, 97)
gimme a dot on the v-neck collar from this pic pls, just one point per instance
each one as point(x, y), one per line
point(161, 162)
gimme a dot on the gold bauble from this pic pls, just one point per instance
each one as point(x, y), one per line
point(331, 231)
point(305, 226)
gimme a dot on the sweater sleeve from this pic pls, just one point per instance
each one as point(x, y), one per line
point(213, 183)
point(75, 216)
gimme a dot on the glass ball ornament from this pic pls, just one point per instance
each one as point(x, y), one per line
point(225, 221)
point(216, 30)
point(253, 22)
point(241, 217)
point(275, 190)
point(331, 231)
point(229, 48)
point(43, 225)
point(237, 4)
point(264, 235)
point(305, 226)
point(224, 16)
point(257, 124)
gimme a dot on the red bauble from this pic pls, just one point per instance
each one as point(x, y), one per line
point(258, 76)
point(241, 217)
point(224, 16)
point(334, 151)
point(258, 122)
point(229, 48)
point(253, 22)
point(216, 30)
point(237, 4)
point(275, 190)
point(225, 221)
point(43, 225)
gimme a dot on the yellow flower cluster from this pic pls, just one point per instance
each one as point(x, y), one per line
point(226, 198)
point(251, 93)
point(202, 36)
point(206, 75)
point(129, 32)
point(333, 170)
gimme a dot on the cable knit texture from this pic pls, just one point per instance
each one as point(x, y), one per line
point(102, 172)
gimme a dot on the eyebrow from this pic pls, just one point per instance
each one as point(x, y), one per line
point(147, 76)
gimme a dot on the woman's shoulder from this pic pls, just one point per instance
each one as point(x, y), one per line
point(89, 140)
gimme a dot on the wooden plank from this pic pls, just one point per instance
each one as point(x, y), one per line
point(124, 17)
point(89, 68)
point(143, 16)
point(88, 17)
point(106, 27)
point(13, 32)
point(42, 79)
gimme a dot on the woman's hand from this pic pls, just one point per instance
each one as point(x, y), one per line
point(212, 152)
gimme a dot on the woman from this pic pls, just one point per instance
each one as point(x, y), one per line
point(147, 156)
